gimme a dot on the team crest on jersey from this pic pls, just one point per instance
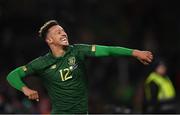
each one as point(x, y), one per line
point(71, 61)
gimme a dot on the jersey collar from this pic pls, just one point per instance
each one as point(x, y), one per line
point(66, 52)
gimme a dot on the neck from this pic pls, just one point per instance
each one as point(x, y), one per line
point(57, 51)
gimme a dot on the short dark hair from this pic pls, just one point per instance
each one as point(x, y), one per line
point(44, 29)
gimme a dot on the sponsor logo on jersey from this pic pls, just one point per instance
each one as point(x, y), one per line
point(53, 66)
point(71, 61)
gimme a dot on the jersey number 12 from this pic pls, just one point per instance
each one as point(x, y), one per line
point(65, 74)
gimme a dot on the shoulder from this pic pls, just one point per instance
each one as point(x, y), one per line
point(82, 46)
point(41, 58)
point(76, 46)
point(39, 61)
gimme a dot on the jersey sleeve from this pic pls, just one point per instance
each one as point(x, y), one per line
point(86, 50)
point(33, 67)
point(102, 51)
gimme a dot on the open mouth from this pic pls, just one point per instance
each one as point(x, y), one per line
point(64, 40)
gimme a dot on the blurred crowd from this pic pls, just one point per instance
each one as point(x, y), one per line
point(115, 83)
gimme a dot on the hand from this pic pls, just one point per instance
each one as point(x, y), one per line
point(143, 56)
point(31, 94)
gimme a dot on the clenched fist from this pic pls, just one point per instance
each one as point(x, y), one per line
point(145, 57)
point(31, 94)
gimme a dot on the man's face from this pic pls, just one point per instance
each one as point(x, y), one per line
point(57, 36)
point(161, 69)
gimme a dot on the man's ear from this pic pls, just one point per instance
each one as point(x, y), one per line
point(49, 40)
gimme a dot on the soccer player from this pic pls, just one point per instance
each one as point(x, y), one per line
point(62, 69)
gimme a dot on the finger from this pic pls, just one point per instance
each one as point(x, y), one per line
point(144, 62)
point(148, 52)
point(37, 100)
point(35, 96)
point(148, 59)
point(150, 55)
point(30, 97)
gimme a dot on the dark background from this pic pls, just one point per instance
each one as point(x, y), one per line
point(115, 83)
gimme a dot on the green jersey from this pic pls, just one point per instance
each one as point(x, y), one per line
point(64, 78)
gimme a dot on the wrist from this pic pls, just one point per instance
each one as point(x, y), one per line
point(24, 88)
point(135, 53)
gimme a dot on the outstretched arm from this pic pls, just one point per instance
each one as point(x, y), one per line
point(15, 80)
point(144, 56)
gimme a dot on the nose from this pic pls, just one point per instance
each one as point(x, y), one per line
point(64, 33)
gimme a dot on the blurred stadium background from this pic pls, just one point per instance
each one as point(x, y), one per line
point(115, 84)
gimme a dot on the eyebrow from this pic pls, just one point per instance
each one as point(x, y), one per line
point(59, 29)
